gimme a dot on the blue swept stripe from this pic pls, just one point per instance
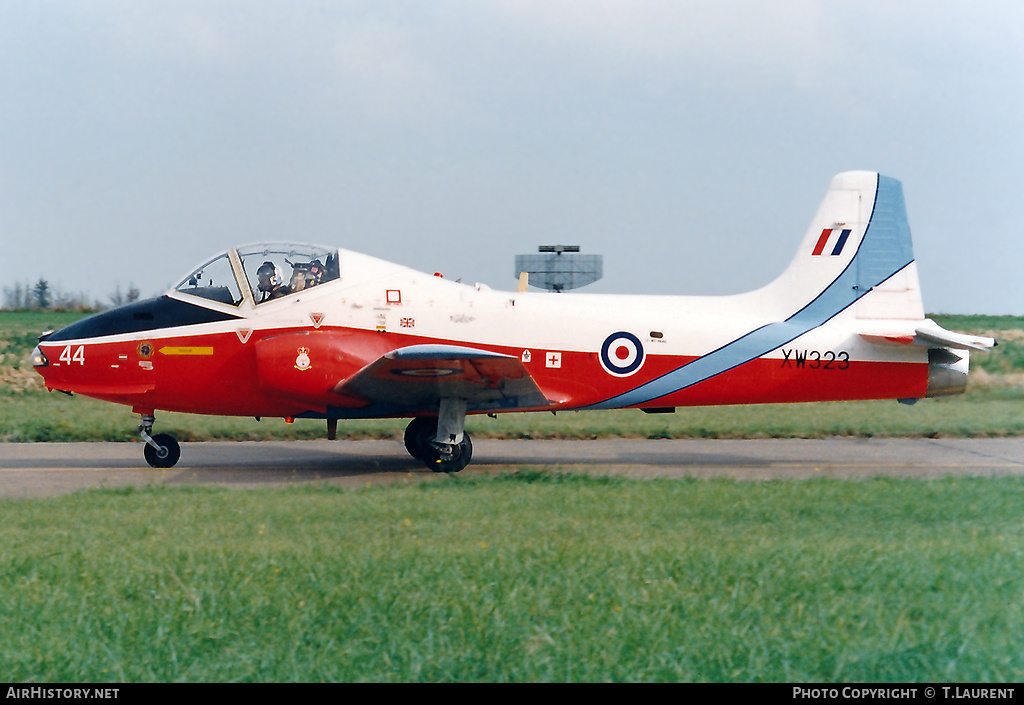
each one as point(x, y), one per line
point(884, 250)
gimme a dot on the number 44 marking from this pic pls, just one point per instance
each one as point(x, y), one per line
point(78, 356)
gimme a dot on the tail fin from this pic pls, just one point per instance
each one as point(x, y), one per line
point(857, 251)
point(857, 256)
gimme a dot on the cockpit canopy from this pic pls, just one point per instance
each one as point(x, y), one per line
point(263, 272)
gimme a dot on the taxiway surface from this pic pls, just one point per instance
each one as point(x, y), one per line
point(47, 469)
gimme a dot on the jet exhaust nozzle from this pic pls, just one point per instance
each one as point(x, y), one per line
point(947, 372)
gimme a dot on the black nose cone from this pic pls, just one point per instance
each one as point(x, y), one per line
point(152, 314)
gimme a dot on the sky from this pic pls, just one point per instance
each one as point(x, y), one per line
point(689, 143)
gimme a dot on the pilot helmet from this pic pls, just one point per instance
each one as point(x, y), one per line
point(269, 277)
point(316, 269)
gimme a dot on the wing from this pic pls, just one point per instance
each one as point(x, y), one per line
point(419, 376)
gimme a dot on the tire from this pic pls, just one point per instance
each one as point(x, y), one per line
point(461, 456)
point(418, 435)
point(167, 443)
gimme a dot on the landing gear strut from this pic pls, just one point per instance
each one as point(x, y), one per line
point(161, 450)
point(441, 443)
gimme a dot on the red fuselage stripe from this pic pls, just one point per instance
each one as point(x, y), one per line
point(218, 374)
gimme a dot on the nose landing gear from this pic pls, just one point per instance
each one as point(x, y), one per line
point(161, 450)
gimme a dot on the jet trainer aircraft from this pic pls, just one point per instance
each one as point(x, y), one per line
point(288, 330)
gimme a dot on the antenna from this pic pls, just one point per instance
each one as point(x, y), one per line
point(556, 271)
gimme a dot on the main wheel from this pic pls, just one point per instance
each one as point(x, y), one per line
point(168, 454)
point(418, 435)
point(461, 455)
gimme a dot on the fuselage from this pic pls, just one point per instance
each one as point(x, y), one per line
point(196, 350)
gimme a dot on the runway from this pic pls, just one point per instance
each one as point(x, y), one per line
point(48, 469)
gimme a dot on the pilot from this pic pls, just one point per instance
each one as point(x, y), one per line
point(270, 284)
point(305, 276)
point(316, 269)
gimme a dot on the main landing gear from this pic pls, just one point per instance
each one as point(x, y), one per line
point(441, 443)
point(161, 450)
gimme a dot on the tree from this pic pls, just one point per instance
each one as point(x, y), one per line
point(41, 292)
point(118, 298)
point(25, 297)
point(17, 297)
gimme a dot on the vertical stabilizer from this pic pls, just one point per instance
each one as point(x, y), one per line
point(857, 251)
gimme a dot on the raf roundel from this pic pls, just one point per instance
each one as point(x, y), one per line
point(622, 354)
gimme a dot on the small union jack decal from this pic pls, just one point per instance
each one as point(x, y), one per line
point(826, 236)
point(407, 323)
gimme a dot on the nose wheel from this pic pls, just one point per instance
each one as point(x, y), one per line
point(161, 450)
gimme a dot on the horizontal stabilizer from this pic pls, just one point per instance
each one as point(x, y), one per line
point(929, 334)
point(419, 376)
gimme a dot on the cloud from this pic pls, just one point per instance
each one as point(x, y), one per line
point(808, 45)
point(410, 119)
point(687, 38)
point(379, 68)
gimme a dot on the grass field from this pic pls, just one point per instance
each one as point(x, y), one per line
point(530, 576)
point(523, 577)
